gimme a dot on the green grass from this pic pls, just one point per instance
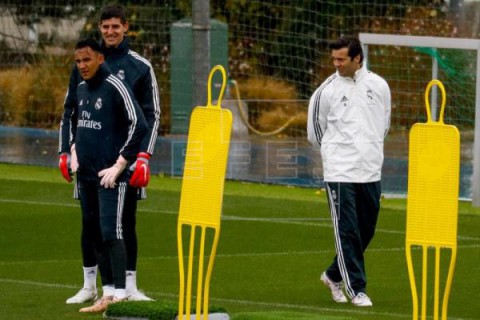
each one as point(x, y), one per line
point(275, 241)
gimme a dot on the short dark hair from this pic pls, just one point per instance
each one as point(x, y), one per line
point(113, 11)
point(352, 43)
point(88, 42)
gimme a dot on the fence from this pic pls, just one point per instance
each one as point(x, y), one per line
point(277, 56)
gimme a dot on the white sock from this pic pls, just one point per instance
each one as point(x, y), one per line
point(90, 277)
point(120, 294)
point(131, 281)
point(108, 291)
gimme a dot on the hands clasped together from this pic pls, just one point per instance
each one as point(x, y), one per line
point(109, 176)
point(68, 165)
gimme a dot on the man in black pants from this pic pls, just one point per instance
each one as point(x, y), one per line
point(348, 118)
point(107, 128)
point(139, 76)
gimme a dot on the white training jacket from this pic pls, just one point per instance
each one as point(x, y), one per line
point(349, 119)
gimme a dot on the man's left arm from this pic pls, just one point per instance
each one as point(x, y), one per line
point(148, 97)
point(149, 100)
point(137, 126)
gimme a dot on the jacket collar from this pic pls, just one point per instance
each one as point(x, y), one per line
point(102, 73)
point(117, 52)
point(360, 73)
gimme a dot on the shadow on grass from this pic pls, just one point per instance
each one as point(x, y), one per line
point(158, 310)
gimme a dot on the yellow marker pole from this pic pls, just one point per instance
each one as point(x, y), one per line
point(432, 202)
point(202, 195)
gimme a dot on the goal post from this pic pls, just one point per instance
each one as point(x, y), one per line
point(440, 43)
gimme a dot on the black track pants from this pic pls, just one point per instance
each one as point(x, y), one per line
point(102, 208)
point(354, 208)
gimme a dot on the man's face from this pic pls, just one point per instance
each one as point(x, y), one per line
point(88, 62)
point(113, 31)
point(345, 65)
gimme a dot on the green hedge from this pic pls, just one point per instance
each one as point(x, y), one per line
point(152, 310)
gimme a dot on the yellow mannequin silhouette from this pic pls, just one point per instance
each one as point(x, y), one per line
point(432, 201)
point(202, 195)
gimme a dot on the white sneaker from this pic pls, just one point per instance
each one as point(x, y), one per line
point(362, 300)
point(137, 296)
point(335, 288)
point(82, 296)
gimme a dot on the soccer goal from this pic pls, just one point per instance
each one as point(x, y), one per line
point(441, 67)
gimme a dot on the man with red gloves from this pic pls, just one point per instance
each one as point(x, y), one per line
point(107, 128)
point(138, 73)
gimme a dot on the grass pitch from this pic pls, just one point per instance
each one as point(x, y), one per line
point(274, 243)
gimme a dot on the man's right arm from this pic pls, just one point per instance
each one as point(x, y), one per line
point(68, 123)
point(317, 117)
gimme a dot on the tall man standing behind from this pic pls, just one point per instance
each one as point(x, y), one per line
point(139, 76)
point(348, 118)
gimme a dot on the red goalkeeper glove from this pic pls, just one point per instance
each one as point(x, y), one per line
point(64, 166)
point(141, 171)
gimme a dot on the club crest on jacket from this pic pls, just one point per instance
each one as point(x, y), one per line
point(98, 104)
point(121, 74)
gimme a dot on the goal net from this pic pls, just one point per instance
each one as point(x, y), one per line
point(408, 63)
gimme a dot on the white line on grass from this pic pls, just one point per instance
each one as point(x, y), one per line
point(289, 253)
point(237, 301)
point(298, 222)
point(39, 284)
point(227, 255)
point(40, 203)
point(75, 204)
point(288, 220)
point(320, 309)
